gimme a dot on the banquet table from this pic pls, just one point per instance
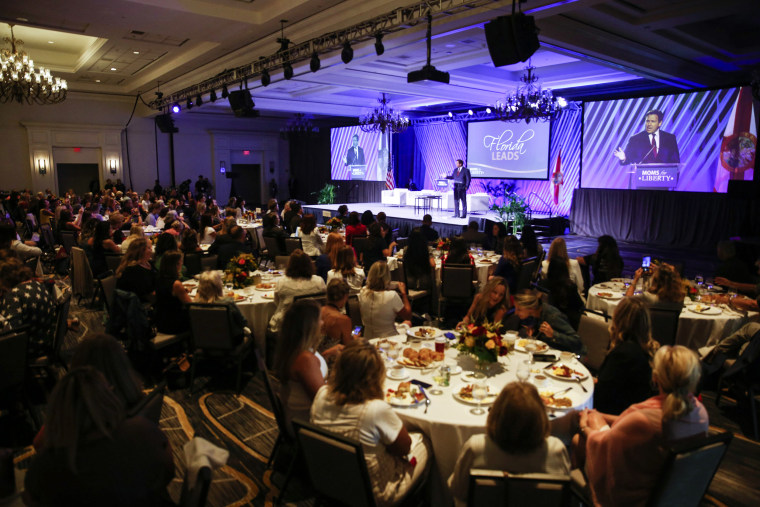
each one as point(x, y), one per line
point(448, 422)
point(695, 330)
point(485, 265)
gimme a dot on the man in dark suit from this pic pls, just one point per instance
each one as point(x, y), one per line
point(355, 154)
point(427, 230)
point(236, 245)
point(461, 177)
point(650, 146)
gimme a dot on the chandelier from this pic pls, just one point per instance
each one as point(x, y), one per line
point(383, 118)
point(300, 124)
point(530, 102)
point(21, 82)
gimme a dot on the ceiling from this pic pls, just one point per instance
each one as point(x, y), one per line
point(588, 48)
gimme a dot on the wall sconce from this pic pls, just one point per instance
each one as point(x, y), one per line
point(222, 168)
point(112, 165)
point(42, 165)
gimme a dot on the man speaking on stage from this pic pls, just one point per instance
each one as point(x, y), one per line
point(651, 146)
point(355, 154)
point(461, 177)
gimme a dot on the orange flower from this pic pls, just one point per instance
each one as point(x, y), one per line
point(490, 344)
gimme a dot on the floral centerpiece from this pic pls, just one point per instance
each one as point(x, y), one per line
point(482, 342)
point(334, 223)
point(689, 289)
point(444, 244)
point(240, 270)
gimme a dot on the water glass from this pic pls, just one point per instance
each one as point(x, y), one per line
point(523, 370)
point(479, 393)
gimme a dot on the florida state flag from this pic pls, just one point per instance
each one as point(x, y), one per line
point(737, 150)
point(557, 177)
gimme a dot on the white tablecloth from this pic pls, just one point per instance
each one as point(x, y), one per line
point(484, 266)
point(694, 330)
point(449, 422)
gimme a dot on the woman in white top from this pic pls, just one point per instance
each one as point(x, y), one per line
point(558, 249)
point(136, 231)
point(310, 239)
point(207, 232)
point(379, 305)
point(516, 440)
point(299, 367)
point(346, 269)
point(299, 280)
point(352, 405)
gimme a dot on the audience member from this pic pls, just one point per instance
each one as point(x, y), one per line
point(346, 269)
point(299, 280)
point(544, 322)
point(427, 230)
point(380, 305)
point(490, 305)
point(558, 250)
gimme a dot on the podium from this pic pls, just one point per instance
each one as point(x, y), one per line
point(358, 172)
point(654, 176)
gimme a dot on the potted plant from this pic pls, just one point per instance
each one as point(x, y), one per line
point(508, 205)
point(327, 194)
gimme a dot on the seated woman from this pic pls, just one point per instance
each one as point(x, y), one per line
point(625, 375)
point(375, 248)
point(380, 305)
point(498, 235)
point(509, 264)
point(299, 280)
point(99, 244)
point(189, 242)
point(490, 305)
point(419, 264)
point(458, 253)
point(299, 367)
point(558, 250)
point(310, 238)
point(625, 454)
point(170, 311)
point(346, 269)
point(92, 455)
point(352, 404)
point(563, 293)
point(136, 231)
point(517, 441)
point(135, 272)
point(328, 260)
point(544, 322)
point(211, 290)
point(606, 262)
point(336, 325)
point(166, 243)
point(354, 227)
point(206, 229)
point(665, 288)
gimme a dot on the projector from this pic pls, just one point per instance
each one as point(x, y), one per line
point(428, 73)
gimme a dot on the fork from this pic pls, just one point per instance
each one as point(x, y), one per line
point(427, 404)
point(580, 383)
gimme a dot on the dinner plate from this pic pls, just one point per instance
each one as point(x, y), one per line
point(609, 294)
point(403, 361)
point(268, 295)
point(704, 309)
point(407, 401)
point(488, 400)
point(412, 332)
point(392, 377)
point(576, 373)
point(611, 286)
point(239, 298)
point(540, 346)
point(571, 395)
point(621, 280)
point(269, 286)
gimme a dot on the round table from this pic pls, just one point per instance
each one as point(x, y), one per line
point(448, 422)
point(695, 330)
point(484, 265)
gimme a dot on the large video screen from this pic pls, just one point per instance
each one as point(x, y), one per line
point(357, 155)
point(693, 141)
point(520, 151)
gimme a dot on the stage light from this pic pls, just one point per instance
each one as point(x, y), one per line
point(315, 63)
point(379, 48)
point(225, 93)
point(175, 108)
point(469, 112)
point(287, 70)
point(450, 115)
point(348, 53)
point(189, 104)
point(212, 95)
point(488, 110)
point(265, 79)
point(199, 100)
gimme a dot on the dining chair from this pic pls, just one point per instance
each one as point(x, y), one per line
point(209, 262)
point(281, 262)
point(81, 278)
point(150, 405)
point(293, 244)
point(456, 285)
point(192, 262)
point(497, 487)
point(354, 310)
point(13, 367)
point(743, 375)
point(528, 271)
point(336, 465)
point(113, 260)
point(212, 339)
point(665, 322)
point(595, 335)
point(53, 354)
point(68, 240)
point(273, 247)
point(196, 496)
point(319, 297)
point(48, 238)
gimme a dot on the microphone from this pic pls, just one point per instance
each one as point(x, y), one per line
point(645, 156)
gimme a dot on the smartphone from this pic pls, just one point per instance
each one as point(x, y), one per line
point(646, 263)
point(357, 331)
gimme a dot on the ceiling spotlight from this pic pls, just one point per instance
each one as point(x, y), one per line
point(225, 93)
point(450, 115)
point(199, 100)
point(287, 70)
point(348, 53)
point(379, 48)
point(175, 108)
point(488, 110)
point(212, 96)
point(469, 111)
point(265, 79)
point(315, 63)
point(189, 104)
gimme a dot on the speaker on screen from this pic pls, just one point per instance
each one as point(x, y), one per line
point(242, 104)
point(511, 39)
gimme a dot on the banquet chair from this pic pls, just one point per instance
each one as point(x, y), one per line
point(68, 240)
point(319, 297)
point(53, 355)
point(150, 406)
point(197, 495)
point(293, 244)
point(107, 287)
point(113, 261)
point(209, 262)
point(281, 262)
point(689, 468)
point(272, 249)
point(336, 465)
point(192, 263)
point(354, 310)
point(665, 322)
point(457, 287)
point(13, 367)
point(81, 278)
point(528, 273)
point(285, 437)
point(495, 487)
point(212, 338)
point(595, 335)
point(742, 376)
point(419, 299)
point(48, 239)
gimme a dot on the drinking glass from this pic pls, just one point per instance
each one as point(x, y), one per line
point(392, 352)
point(530, 348)
point(479, 393)
point(523, 371)
point(227, 288)
point(700, 280)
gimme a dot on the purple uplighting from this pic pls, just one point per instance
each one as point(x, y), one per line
point(175, 108)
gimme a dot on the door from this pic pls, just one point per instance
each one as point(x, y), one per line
point(77, 177)
point(246, 182)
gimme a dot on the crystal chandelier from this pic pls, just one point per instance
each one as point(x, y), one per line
point(530, 102)
point(300, 124)
point(21, 82)
point(383, 118)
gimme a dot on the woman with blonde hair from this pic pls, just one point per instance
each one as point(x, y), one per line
point(558, 250)
point(665, 287)
point(545, 322)
point(491, 304)
point(211, 290)
point(136, 231)
point(517, 441)
point(625, 454)
point(380, 305)
point(352, 404)
point(328, 259)
point(346, 269)
point(135, 272)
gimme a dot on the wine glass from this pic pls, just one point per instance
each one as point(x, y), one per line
point(479, 393)
point(228, 288)
point(392, 352)
point(530, 348)
point(523, 370)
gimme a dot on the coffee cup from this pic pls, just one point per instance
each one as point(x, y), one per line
point(398, 371)
point(540, 380)
point(567, 357)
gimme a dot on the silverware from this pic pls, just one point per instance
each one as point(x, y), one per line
point(580, 383)
point(427, 400)
point(558, 393)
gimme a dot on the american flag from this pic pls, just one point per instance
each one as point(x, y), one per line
point(390, 180)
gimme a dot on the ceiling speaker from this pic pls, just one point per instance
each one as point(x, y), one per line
point(511, 39)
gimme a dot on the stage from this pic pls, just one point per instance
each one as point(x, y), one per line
point(405, 218)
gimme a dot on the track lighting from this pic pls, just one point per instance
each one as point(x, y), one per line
point(265, 79)
point(199, 100)
point(212, 95)
point(315, 63)
point(287, 70)
point(225, 93)
point(348, 53)
point(379, 48)
point(189, 104)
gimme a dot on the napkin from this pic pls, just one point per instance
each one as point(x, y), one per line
point(200, 453)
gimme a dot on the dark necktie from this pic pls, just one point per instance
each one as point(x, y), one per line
point(654, 147)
